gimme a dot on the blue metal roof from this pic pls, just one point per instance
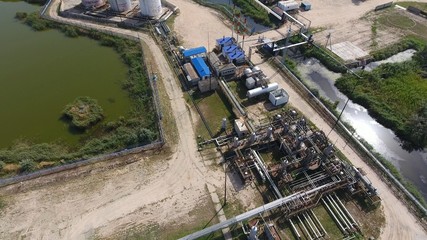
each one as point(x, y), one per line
point(236, 55)
point(229, 49)
point(201, 67)
point(224, 40)
point(194, 51)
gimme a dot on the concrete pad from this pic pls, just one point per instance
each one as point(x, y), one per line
point(347, 51)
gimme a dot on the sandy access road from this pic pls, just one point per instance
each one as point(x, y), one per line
point(103, 203)
point(400, 224)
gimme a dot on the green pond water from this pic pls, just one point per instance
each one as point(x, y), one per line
point(41, 72)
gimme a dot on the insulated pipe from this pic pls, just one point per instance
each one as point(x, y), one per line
point(303, 225)
point(333, 215)
point(294, 228)
point(311, 227)
point(311, 222)
point(348, 227)
point(340, 211)
point(318, 222)
point(345, 209)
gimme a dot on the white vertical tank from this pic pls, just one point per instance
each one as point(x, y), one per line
point(92, 3)
point(120, 5)
point(150, 8)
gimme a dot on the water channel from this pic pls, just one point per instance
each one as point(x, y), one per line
point(412, 165)
point(41, 72)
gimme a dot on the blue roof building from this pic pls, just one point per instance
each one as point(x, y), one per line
point(193, 51)
point(228, 49)
point(237, 56)
point(224, 41)
point(201, 68)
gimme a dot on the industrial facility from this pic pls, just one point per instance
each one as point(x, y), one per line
point(306, 174)
point(127, 12)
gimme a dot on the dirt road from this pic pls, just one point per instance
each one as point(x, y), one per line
point(400, 224)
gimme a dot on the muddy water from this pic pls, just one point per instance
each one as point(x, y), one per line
point(41, 72)
point(412, 165)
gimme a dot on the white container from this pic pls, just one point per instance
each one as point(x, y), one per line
point(150, 8)
point(250, 83)
point(258, 91)
point(288, 5)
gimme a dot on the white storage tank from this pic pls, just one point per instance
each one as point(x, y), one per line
point(120, 5)
point(256, 69)
point(288, 5)
point(261, 90)
point(247, 72)
point(250, 82)
point(92, 3)
point(150, 8)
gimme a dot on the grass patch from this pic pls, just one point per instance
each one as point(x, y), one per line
point(138, 127)
point(409, 42)
point(402, 21)
point(419, 5)
point(214, 107)
point(328, 223)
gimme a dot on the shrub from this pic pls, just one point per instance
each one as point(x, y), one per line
point(2, 164)
point(21, 15)
point(27, 165)
point(83, 112)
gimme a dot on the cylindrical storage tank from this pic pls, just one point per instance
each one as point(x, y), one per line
point(120, 5)
point(92, 3)
point(258, 91)
point(247, 72)
point(256, 69)
point(150, 8)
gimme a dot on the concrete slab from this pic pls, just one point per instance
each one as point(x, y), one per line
point(347, 51)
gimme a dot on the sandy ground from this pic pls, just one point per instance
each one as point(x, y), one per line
point(400, 224)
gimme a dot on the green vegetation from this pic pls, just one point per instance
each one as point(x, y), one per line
point(84, 112)
point(2, 204)
point(214, 108)
point(321, 54)
point(137, 128)
point(396, 95)
point(408, 42)
point(251, 9)
point(396, 19)
point(374, 35)
point(28, 165)
point(419, 5)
